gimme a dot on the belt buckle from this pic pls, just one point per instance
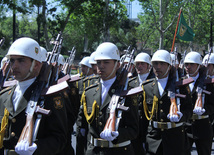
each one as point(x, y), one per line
point(100, 142)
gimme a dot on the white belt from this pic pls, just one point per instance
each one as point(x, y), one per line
point(195, 117)
point(165, 125)
point(98, 142)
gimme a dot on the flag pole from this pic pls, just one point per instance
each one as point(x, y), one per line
point(176, 29)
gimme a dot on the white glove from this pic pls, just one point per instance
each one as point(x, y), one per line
point(82, 131)
point(23, 148)
point(175, 118)
point(199, 110)
point(109, 135)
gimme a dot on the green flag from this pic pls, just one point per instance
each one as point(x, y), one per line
point(184, 31)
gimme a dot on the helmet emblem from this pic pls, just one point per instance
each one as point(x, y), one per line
point(36, 50)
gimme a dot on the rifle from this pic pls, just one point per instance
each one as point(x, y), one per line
point(53, 58)
point(118, 99)
point(2, 42)
point(173, 91)
point(68, 63)
point(36, 102)
point(201, 88)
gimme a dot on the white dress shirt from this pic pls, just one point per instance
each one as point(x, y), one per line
point(106, 86)
point(20, 90)
point(162, 84)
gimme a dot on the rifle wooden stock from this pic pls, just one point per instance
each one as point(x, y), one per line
point(199, 102)
point(27, 131)
point(173, 107)
point(111, 122)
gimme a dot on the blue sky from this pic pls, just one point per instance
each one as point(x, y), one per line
point(136, 8)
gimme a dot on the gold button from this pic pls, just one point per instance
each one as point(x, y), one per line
point(12, 134)
point(13, 120)
point(100, 123)
point(161, 110)
point(161, 102)
point(125, 148)
point(162, 129)
point(161, 120)
point(100, 113)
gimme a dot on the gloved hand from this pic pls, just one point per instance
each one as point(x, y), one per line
point(82, 131)
point(199, 110)
point(23, 148)
point(175, 118)
point(109, 135)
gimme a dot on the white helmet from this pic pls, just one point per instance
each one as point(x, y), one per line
point(107, 50)
point(161, 55)
point(143, 57)
point(211, 59)
point(44, 53)
point(193, 57)
point(173, 59)
point(61, 60)
point(85, 61)
point(91, 60)
point(25, 47)
point(3, 61)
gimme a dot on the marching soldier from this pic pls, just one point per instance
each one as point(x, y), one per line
point(166, 133)
point(144, 72)
point(199, 128)
point(87, 71)
point(25, 59)
point(95, 109)
point(93, 62)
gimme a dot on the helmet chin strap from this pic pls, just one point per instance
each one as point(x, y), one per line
point(166, 71)
point(115, 65)
point(195, 71)
point(87, 71)
point(31, 69)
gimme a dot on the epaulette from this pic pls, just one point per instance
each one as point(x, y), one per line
point(94, 77)
point(91, 86)
point(148, 81)
point(5, 90)
point(134, 78)
point(85, 79)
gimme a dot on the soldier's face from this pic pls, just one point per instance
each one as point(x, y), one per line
point(191, 69)
point(210, 68)
point(94, 67)
point(161, 69)
point(106, 69)
point(142, 67)
point(20, 67)
point(84, 69)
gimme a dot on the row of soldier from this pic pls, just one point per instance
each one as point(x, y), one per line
point(147, 127)
point(159, 132)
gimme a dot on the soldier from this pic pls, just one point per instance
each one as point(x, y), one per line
point(93, 62)
point(199, 128)
point(210, 66)
point(144, 70)
point(25, 59)
point(87, 71)
point(165, 131)
point(95, 109)
point(92, 79)
point(44, 54)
